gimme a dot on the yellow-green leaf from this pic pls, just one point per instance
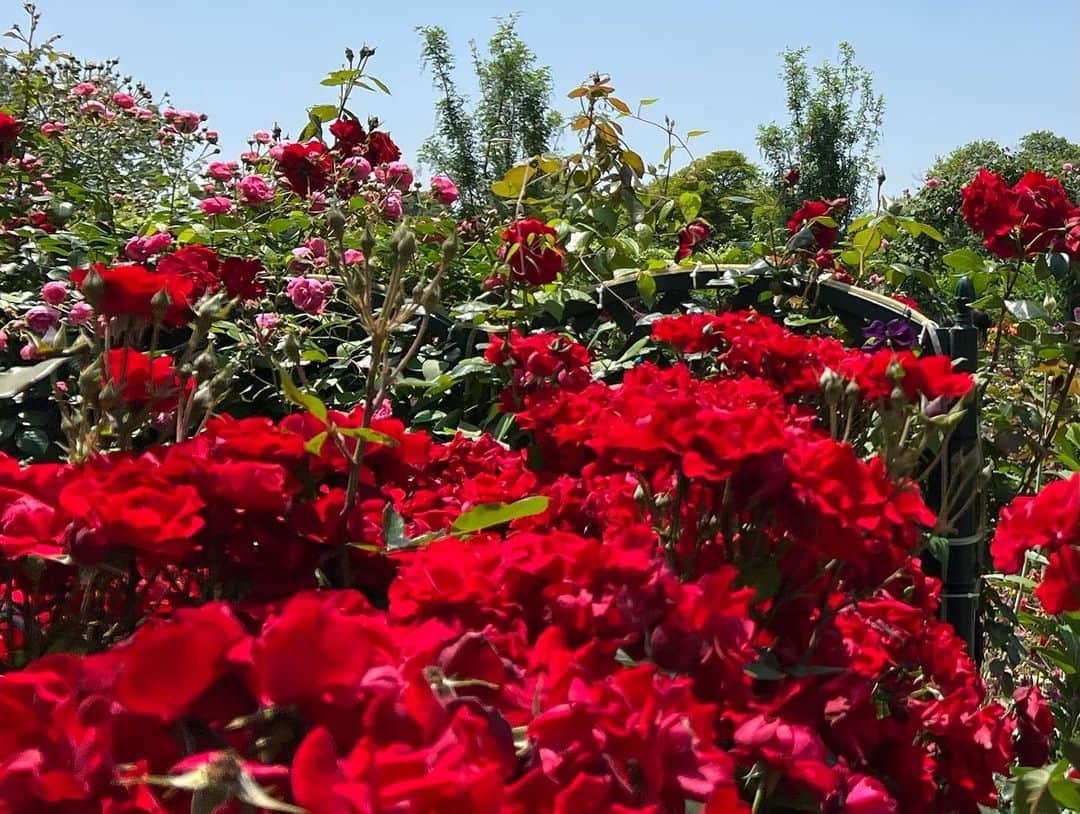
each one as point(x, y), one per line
point(487, 515)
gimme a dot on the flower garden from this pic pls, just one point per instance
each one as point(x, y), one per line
point(320, 494)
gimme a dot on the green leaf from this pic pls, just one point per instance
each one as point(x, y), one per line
point(393, 525)
point(763, 672)
point(32, 442)
point(690, 204)
point(646, 287)
point(964, 260)
point(939, 548)
point(323, 113)
point(1032, 795)
point(17, 379)
point(367, 434)
point(378, 83)
point(338, 78)
point(1026, 309)
point(315, 443)
point(1065, 791)
point(696, 133)
point(308, 401)
point(487, 515)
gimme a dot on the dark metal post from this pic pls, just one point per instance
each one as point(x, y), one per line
point(960, 591)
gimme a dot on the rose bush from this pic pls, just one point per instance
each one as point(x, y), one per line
point(309, 507)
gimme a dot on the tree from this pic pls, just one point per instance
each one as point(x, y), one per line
point(717, 178)
point(511, 119)
point(835, 124)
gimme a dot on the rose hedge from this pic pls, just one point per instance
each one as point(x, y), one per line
point(704, 599)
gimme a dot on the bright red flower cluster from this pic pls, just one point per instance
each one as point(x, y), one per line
point(1049, 521)
point(749, 344)
point(718, 596)
point(179, 280)
point(1031, 216)
point(532, 251)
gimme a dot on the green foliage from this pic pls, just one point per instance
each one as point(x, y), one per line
point(835, 122)
point(724, 182)
point(511, 120)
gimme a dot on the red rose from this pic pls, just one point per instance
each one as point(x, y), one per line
point(200, 264)
point(129, 503)
point(128, 290)
point(241, 278)
point(143, 380)
point(690, 237)
point(348, 135)
point(804, 218)
point(165, 666)
point(9, 131)
point(381, 149)
point(1046, 211)
point(531, 251)
point(306, 166)
point(989, 207)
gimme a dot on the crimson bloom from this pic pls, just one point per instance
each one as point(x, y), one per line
point(532, 252)
point(380, 148)
point(9, 132)
point(306, 166)
point(691, 235)
point(804, 217)
point(128, 290)
point(144, 380)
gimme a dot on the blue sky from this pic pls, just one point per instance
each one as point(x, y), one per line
point(951, 71)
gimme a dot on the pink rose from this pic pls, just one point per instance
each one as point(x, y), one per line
point(352, 257)
point(80, 313)
point(42, 318)
point(123, 100)
point(95, 108)
point(221, 170)
point(358, 166)
point(317, 202)
point(391, 205)
point(265, 325)
point(933, 183)
point(1067, 166)
point(54, 292)
point(261, 137)
point(218, 205)
point(212, 136)
point(84, 89)
point(254, 190)
point(309, 295)
point(444, 190)
point(141, 249)
point(396, 174)
point(29, 352)
point(50, 129)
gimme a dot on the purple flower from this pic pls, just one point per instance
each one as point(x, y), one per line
point(897, 335)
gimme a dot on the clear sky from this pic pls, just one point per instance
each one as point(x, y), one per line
point(951, 70)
